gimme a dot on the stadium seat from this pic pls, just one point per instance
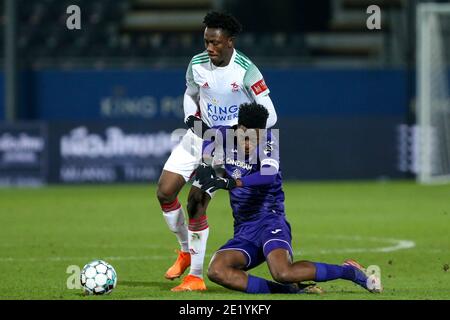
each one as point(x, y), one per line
point(107, 33)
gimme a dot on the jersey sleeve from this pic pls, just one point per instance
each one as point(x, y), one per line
point(254, 82)
point(267, 103)
point(192, 86)
point(269, 153)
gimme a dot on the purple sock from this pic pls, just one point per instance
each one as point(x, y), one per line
point(327, 272)
point(260, 285)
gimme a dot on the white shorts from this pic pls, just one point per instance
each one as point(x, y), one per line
point(186, 156)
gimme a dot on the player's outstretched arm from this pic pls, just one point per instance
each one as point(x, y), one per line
point(217, 183)
point(255, 179)
point(268, 104)
point(204, 173)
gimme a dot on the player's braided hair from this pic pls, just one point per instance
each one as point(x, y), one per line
point(223, 21)
point(253, 115)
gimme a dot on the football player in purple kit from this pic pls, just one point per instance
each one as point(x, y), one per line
point(261, 231)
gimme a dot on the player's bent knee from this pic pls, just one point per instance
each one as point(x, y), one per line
point(169, 185)
point(216, 274)
point(281, 275)
point(165, 194)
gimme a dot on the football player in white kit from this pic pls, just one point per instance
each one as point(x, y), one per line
point(218, 81)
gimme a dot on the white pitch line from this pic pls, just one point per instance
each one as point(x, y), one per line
point(395, 245)
point(56, 259)
point(79, 245)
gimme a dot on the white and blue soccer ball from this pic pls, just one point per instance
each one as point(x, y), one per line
point(98, 277)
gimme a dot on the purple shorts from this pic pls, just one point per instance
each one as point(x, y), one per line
point(257, 239)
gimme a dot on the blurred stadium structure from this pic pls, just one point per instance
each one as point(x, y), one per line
point(167, 32)
point(433, 113)
point(107, 96)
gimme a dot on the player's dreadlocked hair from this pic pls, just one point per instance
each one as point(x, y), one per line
point(223, 21)
point(253, 116)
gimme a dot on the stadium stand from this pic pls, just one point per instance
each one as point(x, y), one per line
point(167, 32)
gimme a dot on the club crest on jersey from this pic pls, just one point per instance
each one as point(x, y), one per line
point(205, 85)
point(236, 174)
point(234, 87)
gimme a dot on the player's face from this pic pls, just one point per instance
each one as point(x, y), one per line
point(249, 139)
point(218, 45)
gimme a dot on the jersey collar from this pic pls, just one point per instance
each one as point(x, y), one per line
point(233, 56)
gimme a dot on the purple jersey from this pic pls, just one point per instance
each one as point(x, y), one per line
point(253, 202)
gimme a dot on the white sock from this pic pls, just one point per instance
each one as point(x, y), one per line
point(197, 247)
point(175, 221)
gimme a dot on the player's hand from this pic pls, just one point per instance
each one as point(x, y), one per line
point(219, 183)
point(191, 123)
point(204, 173)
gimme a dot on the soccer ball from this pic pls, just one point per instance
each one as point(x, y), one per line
point(98, 277)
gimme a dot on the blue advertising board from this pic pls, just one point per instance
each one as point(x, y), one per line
point(108, 151)
point(23, 154)
point(70, 95)
point(311, 148)
point(158, 94)
point(333, 123)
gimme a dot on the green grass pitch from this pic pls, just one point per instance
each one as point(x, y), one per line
point(402, 227)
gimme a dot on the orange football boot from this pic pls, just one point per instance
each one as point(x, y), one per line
point(178, 268)
point(190, 283)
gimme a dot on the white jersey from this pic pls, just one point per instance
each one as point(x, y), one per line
point(221, 90)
